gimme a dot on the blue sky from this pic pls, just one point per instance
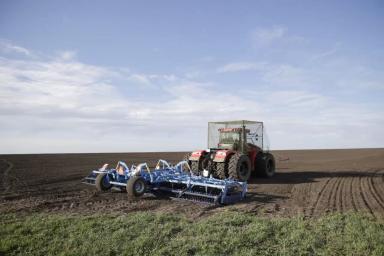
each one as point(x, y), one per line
point(108, 76)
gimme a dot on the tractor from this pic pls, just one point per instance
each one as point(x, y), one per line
point(235, 151)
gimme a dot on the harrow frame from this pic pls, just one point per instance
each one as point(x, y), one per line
point(175, 181)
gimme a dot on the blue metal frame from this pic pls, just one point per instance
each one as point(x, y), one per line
point(177, 181)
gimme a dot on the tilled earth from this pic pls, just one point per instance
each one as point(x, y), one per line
point(308, 183)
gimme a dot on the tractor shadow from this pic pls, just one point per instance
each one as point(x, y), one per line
point(298, 177)
point(263, 197)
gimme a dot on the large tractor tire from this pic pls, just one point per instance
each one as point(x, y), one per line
point(265, 165)
point(194, 165)
point(102, 183)
point(136, 187)
point(186, 158)
point(221, 170)
point(208, 164)
point(239, 167)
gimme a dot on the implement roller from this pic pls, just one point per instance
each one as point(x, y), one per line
point(175, 181)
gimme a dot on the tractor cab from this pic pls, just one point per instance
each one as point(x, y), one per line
point(235, 135)
point(231, 138)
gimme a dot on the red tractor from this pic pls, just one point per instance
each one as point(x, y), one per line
point(235, 150)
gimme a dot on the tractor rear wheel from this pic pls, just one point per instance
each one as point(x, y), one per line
point(136, 187)
point(195, 167)
point(102, 183)
point(239, 167)
point(186, 158)
point(221, 170)
point(265, 165)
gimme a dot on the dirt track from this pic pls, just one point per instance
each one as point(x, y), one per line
point(311, 183)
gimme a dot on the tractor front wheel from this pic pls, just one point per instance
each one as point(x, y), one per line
point(136, 187)
point(102, 183)
point(239, 167)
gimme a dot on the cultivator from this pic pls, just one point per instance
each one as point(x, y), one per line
point(175, 181)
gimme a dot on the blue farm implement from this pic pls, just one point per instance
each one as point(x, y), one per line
point(174, 181)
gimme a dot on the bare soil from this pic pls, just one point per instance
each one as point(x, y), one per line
point(308, 183)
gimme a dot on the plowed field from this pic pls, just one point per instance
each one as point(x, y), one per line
point(308, 182)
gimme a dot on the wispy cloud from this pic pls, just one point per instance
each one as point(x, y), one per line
point(67, 55)
point(266, 36)
point(276, 75)
point(241, 66)
point(61, 104)
point(65, 98)
point(140, 78)
point(8, 47)
point(326, 53)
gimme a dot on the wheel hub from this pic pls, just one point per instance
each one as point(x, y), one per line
point(139, 187)
point(243, 170)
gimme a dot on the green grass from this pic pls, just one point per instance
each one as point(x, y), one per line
point(229, 233)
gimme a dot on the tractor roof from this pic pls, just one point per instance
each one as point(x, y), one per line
point(237, 122)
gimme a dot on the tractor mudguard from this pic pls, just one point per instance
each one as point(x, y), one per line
point(222, 155)
point(195, 156)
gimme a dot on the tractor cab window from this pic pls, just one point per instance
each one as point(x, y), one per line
point(229, 137)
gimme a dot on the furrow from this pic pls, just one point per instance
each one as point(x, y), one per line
point(349, 196)
point(6, 183)
point(331, 197)
point(339, 202)
point(373, 192)
point(319, 195)
point(356, 192)
point(376, 189)
point(363, 196)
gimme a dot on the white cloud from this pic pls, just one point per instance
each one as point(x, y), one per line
point(64, 105)
point(241, 66)
point(266, 36)
point(167, 77)
point(207, 59)
point(272, 75)
point(276, 36)
point(150, 79)
point(286, 76)
point(193, 74)
point(67, 55)
point(140, 78)
point(8, 47)
point(52, 88)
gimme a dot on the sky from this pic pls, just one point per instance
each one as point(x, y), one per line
point(130, 76)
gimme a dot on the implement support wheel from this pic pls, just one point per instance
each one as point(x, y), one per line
point(102, 183)
point(136, 187)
